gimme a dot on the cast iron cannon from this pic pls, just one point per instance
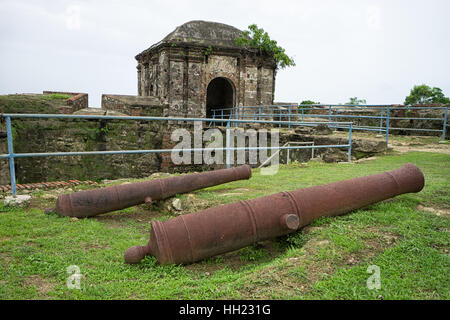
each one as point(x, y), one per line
point(196, 236)
point(93, 202)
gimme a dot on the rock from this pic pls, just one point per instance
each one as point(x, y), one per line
point(49, 196)
point(159, 175)
point(176, 204)
point(22, 200)
point(335, 155)
point(73, 219)
point(322, 129)
point(368, 146)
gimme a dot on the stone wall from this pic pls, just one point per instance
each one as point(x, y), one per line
point(58, 135)
point(401, 111)
point(89, 135)
point(54, 135)
point(79, 101)
point(76, 101)
point(133, 105)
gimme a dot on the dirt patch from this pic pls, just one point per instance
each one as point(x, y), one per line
point(437, 149)
point(190, 203)
point(42, 285)
point(145, 214)
point(89, 246)
point(422, 146)
point(435, 211)
point(5, 259)
point(120, 219)
point(41, 203)
point(365, 159)
point(297, 275)
point(237, 259)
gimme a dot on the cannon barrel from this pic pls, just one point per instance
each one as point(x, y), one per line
point(193, 237)
point(93, 202)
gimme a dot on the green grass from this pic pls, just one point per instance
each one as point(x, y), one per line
point(56, 96)
point(326, 260)
point(17, 103)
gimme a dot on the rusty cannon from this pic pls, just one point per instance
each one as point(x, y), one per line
point(196, 236)
point(93, 202)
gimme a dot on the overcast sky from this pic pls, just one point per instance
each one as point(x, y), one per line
point(375, 50)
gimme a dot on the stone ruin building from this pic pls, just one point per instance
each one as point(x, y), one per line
point(198, 67)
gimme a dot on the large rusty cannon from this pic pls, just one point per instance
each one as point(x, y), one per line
point(93, 202)
point(193, 237)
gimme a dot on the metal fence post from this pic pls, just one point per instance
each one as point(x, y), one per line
point(329, 113)
point(381, 121)
point(288, 153)
point(387, 125)
point(336, 112)
point(289, 125)
point(444, 127)
point(279, 117)
point(228, 143)
point(12, 170)
point(350, 143)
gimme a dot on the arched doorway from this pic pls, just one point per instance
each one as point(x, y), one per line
point(219, 95)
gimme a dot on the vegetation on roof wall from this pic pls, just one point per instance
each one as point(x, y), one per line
point(257, 38)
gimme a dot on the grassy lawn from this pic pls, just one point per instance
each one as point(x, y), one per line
point(406, 237)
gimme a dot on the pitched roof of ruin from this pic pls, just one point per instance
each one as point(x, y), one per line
point(204, 33)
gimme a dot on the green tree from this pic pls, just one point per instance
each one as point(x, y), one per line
point(257, 38)
point(356, 101)
point(423, 94)
point(309, 102)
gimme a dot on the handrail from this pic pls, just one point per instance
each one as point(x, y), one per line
point(296, 112)
point(11, 155)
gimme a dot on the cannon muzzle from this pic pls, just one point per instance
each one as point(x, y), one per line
point(93, 202)
point(196, 236)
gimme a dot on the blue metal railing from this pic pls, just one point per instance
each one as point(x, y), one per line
point(231, 121)
point(331, 113)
